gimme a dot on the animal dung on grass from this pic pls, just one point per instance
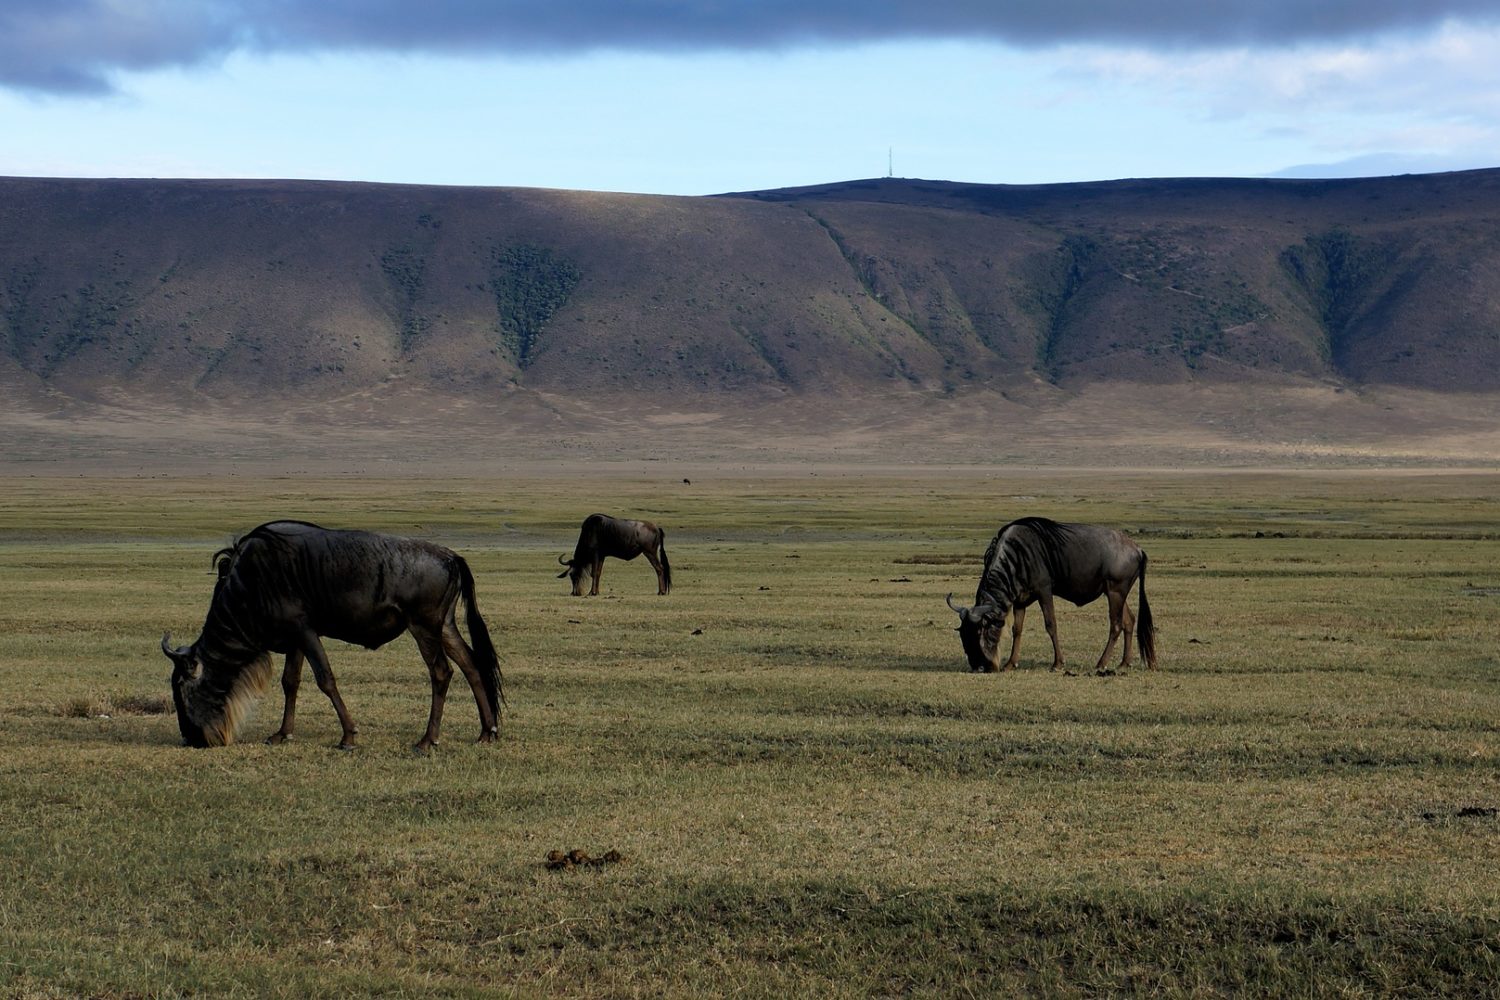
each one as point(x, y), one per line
point(560, 860)
point(1467, 812)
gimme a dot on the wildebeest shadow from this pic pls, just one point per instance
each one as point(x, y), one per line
point(133, 732)
point(956, 665)
point(917, 664)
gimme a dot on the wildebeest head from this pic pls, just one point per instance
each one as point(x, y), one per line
point(979, 630)
point(576, 568)
point(185, 669)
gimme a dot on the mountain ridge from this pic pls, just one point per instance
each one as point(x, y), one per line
point(242, 293)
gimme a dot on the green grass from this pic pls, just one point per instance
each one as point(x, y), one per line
point(812, 796)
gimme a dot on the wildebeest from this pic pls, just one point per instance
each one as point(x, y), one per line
point(285, 584)
point(602, 536)
point(1033, 559)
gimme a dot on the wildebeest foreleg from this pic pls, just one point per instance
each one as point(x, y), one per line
point(459, 652)
point(323, 673)
point(1049, 618)
point(1017, 619)
point(291, 679)
point(598, 571)
point(441, 672)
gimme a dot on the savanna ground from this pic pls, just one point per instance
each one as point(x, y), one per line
point(811, 795)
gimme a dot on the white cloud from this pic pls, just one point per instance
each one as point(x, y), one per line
point(1433, 95)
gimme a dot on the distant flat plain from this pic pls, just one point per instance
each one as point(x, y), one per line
point(811, 795)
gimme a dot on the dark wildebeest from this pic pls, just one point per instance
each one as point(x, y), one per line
point(287, 583)
point(602, 536)
point(1033, 560)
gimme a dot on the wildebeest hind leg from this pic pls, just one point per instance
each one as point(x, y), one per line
point(291, 679)
point(1116, 609)
point(313, 647)
point(661, 580)
point(1127, 626)
point(441, 672)
point(459, 652)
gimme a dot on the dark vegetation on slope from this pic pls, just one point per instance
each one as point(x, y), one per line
point(239, 288)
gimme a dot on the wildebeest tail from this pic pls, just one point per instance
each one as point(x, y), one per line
point(666, 567)
point(1145, 635)
point(479, 637)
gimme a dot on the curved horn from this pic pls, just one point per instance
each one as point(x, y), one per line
point(181, 658)
point(953, 606)
point(564, 561)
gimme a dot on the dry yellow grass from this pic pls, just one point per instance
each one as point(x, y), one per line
point(810, 794)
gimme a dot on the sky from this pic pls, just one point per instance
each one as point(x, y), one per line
point(692, 97)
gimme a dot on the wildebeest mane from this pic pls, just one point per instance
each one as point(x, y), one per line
point(259, 577)
point(1051, 538)
point(226, 696)
point(224, 558)
point(226, 699)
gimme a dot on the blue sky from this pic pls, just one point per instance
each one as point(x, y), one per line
point(701, 96)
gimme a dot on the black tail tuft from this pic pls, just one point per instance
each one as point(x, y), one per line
point(666, 567)
point(479, 637)
point(1145, 634)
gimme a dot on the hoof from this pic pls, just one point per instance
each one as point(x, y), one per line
point(276, 739)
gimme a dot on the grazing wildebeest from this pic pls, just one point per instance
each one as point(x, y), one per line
point(287, 583)
point(1034, 559)
point(602, 536)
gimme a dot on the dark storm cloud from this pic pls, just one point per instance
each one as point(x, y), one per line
point(76, 46)
point(72, 46)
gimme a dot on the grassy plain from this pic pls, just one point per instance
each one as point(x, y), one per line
point(811, 795)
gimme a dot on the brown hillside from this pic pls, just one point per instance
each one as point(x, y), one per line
point(868, 307)
point(1373, 281)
